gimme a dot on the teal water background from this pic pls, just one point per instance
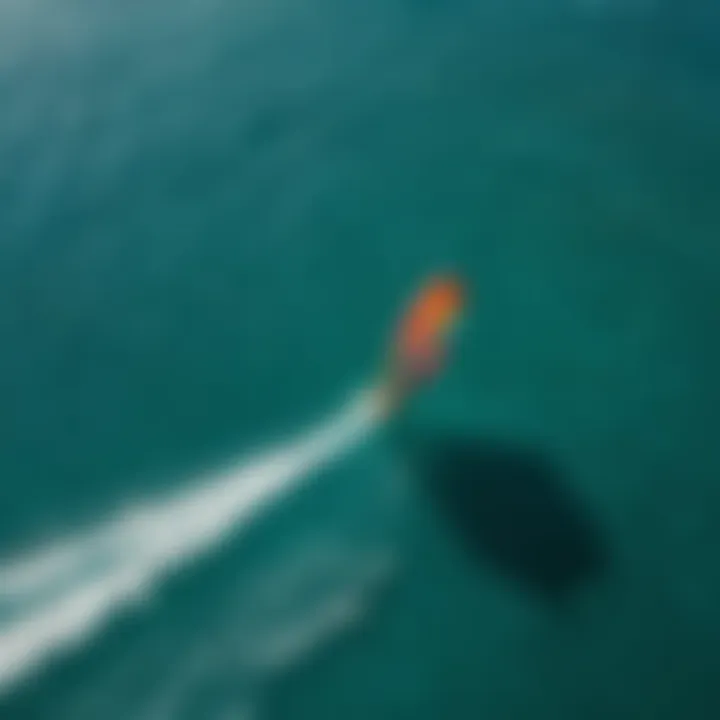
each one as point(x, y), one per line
point(209, 216)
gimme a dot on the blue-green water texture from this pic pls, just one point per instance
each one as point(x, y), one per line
point(211, 214)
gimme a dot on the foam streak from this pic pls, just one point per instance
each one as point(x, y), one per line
point(73, 588)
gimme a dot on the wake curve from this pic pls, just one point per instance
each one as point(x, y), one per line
point(66, 593)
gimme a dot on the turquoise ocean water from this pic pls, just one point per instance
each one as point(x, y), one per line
point(210, 214)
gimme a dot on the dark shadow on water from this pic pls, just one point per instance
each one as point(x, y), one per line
point(512, 508)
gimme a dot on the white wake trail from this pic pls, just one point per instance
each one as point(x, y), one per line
point(68, 592)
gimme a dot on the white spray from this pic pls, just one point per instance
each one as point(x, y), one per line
point(66, 593)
